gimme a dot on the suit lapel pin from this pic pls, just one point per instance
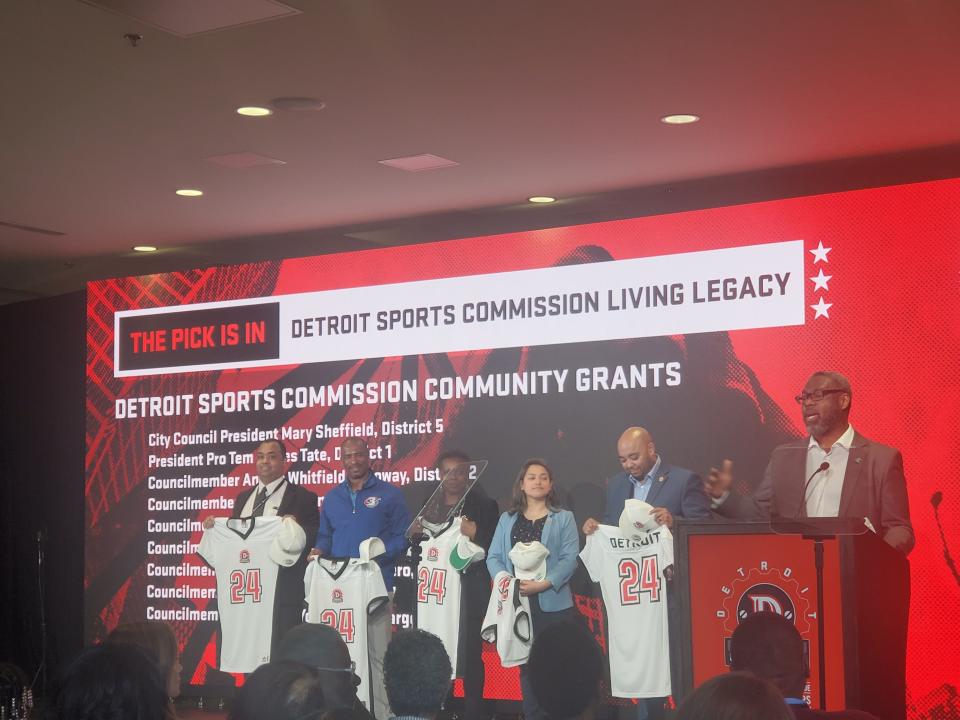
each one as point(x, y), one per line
point(662, 478)
point(859, 460)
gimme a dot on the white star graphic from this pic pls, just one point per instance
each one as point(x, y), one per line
point(821, 307)
point(821, 280)
point(820, 253)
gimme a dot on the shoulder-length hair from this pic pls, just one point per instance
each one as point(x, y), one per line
point(518, 501)
point(155, 638)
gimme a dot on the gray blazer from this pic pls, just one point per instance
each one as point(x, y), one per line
point(873, 487)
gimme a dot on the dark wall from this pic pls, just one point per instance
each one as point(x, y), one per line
point(42, 471)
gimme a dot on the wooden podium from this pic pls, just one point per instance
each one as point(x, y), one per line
point(726, 571)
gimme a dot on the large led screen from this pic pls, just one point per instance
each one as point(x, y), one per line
point(700, 326)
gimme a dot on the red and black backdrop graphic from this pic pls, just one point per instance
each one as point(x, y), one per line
point(881, 287)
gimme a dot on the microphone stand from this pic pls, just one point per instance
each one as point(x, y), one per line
point(42, 668)
point(818, 564)
point(821, 631)
point(416, 554)
point(935, 501)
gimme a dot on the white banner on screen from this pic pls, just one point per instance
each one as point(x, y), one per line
point(756, 286)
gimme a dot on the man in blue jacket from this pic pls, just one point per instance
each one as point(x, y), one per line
point(672, 491)
point(360, 507)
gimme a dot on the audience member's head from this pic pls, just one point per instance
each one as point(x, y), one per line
point(280, 690)
point(565, 670)
point(112, 682)
point(734, 696)
point(355, 713)
point(417, 673)
point(769, 646)
point(322, 648)
point(158, 641)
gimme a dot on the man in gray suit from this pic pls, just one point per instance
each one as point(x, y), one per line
point(836, 472)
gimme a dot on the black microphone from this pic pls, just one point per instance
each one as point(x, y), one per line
point(935, 500)
point(823, 466)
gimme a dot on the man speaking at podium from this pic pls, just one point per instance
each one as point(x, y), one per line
point(836, 472)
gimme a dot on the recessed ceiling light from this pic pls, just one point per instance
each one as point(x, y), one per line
point(144, 248)
point(542, 199)
point(679, 119)
point(188, 192)
point(254, 111)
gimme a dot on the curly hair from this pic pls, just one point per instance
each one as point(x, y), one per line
point(417, 673)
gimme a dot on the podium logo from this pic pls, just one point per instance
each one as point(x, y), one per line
point(765, 598)
point(764, 589)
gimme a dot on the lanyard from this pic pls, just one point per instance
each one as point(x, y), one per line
point(262, 503)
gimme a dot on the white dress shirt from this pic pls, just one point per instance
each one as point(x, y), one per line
point(823, 493)
point(274, 498)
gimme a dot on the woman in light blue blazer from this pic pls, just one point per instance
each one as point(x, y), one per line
point(535, 515)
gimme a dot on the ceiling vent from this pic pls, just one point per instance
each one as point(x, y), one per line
point(185, 18)
point(419, 163)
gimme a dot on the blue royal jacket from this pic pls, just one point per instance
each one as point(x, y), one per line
point(561, 539)
point(348, 518)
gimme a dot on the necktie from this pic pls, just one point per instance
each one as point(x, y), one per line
point(260, 502)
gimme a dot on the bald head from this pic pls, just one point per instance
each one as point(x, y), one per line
point(636, 451)
point(356, 460)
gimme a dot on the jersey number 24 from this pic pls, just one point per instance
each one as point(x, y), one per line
point(433, 581)
point(639, 577)
point(341, 621)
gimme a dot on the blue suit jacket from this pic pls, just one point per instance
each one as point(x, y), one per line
point(560, 538)
point(677, 489)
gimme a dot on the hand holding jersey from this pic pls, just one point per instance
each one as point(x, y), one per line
point(507, 622)
point(343, 593)
point(530, 567)
point(445, 555)
point(246, 555)
point(630, 563)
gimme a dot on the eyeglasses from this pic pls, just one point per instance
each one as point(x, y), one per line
point(816, 395)
point(351, 669)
